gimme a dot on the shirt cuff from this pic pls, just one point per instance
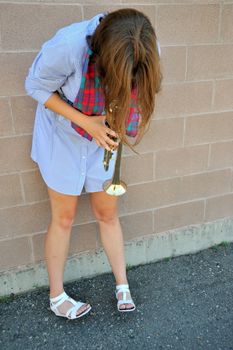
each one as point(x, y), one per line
point(40, 95)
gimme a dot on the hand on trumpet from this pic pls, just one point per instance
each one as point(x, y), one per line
point(108, 153)
point(99, 129)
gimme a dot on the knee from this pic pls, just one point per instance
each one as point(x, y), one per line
point(64, 220)
point(107, 217)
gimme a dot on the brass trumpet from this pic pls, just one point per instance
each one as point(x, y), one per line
point(114, 186)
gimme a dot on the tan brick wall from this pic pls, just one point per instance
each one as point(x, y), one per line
point(184, 174)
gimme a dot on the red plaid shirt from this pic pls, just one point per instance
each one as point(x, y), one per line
point(90, 98)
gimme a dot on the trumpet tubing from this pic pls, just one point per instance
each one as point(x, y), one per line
point(115, 186)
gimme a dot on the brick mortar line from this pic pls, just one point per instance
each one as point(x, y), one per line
point(163, 118)
point(191, 82)
point(97, 239)
point(166, 83)
point(209, 155)
point(22, 188)
point(0, 36)
point(45, 3)
point(136, 184)
point(184, 132)
point(32, 255)
point(207, 171)
point(12, 117)
point(20, 51)
point(186, 64)
point(41, 263)
point(156, 25)
point(153, 219)
point(15, 135)
point(209, 143)
point(152, 210)
point(154, 165)
point(119, 2)
point(186, 82)
point(82, 13)
point(100, 3)
point(204, 209)
point(75, 225)
point(156, 179)
point(213, 94)
point(193, 2)
point(224, 43)
point(213, 2)
point(25, 204)
point(189, 115)
point(17, 172)
point(220, 22)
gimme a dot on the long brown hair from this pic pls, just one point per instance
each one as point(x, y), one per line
point(126, 57)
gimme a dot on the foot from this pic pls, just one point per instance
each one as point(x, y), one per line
point(66, 305)
point(124, 294)
point(127, 305)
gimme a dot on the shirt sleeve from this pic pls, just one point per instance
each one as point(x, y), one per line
point(50, 69)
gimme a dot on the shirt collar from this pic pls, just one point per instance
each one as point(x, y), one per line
point(92, 25)
point(94, 21)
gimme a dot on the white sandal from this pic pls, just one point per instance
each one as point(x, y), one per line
point(71, 313)
point(124, 288)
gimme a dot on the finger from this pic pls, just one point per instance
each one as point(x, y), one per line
point(111, 132)
point(105, 145)
point(111, 142)
point(114, 148)
point(110, 136)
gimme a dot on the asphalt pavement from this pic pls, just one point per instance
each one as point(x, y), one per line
point(185, 302)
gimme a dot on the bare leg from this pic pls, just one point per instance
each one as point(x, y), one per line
point(104, 207)
point(63, 209)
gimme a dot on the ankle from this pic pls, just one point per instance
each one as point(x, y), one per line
point(55, 293)
point(122, 281)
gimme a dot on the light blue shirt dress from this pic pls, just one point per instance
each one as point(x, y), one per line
point(67, 161)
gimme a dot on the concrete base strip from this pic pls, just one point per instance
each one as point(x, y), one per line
point(146, 249)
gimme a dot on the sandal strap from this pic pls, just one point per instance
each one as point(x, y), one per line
point(58, 300)
point(122, 288)
point(71, 313)
point(129, 301)
point(58, 297)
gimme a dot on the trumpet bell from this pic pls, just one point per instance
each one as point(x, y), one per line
point(114, 189)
